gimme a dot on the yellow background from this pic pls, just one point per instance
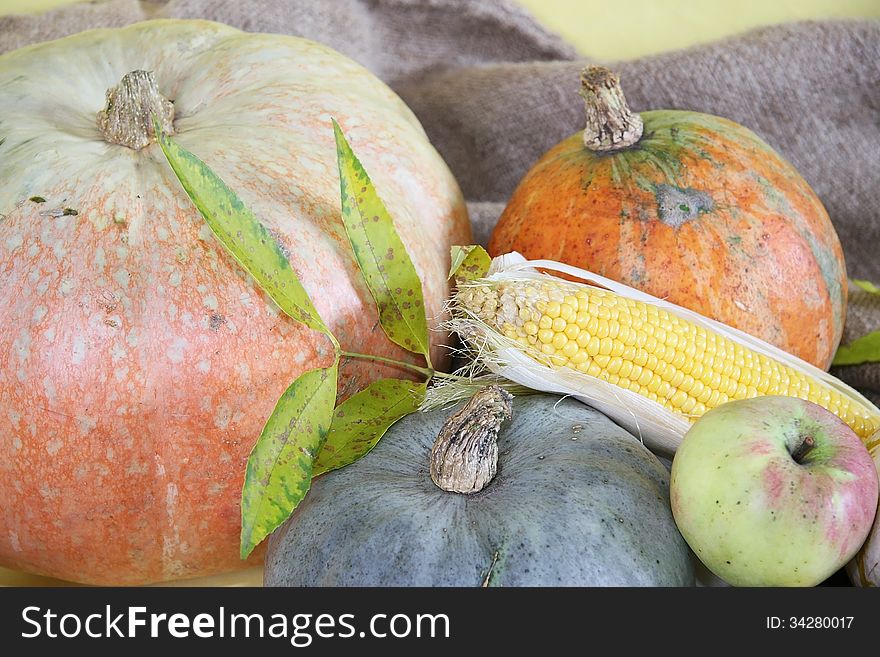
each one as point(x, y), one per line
point(619, 29)
point(604, 29)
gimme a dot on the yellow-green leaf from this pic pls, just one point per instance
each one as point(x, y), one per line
point(867, 286)
point(279, 469)
point(865, 349)
point(242, 233)
point(361, 420)
point(469, 262)
point(380, 254)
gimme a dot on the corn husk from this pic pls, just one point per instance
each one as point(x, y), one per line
point(659, 428)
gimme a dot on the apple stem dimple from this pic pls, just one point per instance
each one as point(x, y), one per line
point(803, 449)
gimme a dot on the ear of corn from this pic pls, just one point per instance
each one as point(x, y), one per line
point(652, 366)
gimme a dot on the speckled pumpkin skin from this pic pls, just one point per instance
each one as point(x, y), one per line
point(138, 361)
point(700, 212)
point(577, 501)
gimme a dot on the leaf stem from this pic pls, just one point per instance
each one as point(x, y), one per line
point(428, 372)
point(415, 368)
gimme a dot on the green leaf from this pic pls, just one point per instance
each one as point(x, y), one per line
point(867, 286)
point(241, 233)
point(279, 469)
point(361, 420)
point(469, 262)
point(380, 254)
point(865, 349)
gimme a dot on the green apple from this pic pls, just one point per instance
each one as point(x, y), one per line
point(773, 491)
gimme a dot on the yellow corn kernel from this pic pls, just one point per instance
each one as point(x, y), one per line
point(545, 336)
point(559, 340)
point(580, 355)
point(572, 300)
point(635, 373)
point(660, 352)
point(678, 399)
point(678, 359)
point(686, 383)
point(570, 349)
point(677, 378)
point(664, 390)
point(567, 313)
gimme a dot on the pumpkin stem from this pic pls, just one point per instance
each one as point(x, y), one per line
point(127, 118)
point(610, 125)
point(464, 457)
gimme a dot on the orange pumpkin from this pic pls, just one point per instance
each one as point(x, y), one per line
point(688, 207)
point(138, 361)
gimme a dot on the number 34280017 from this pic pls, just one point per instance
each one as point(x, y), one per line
point(810, 622)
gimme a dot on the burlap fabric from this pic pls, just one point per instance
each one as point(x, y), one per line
point(494, 90)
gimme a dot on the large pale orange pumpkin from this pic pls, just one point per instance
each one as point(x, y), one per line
point(138, 361)
point(689, 207)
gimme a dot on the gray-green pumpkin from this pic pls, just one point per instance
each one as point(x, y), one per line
point(576, 501)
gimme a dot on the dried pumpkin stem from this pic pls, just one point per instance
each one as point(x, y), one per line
point(464, 457)
point(610, 124)
point(127, 118)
